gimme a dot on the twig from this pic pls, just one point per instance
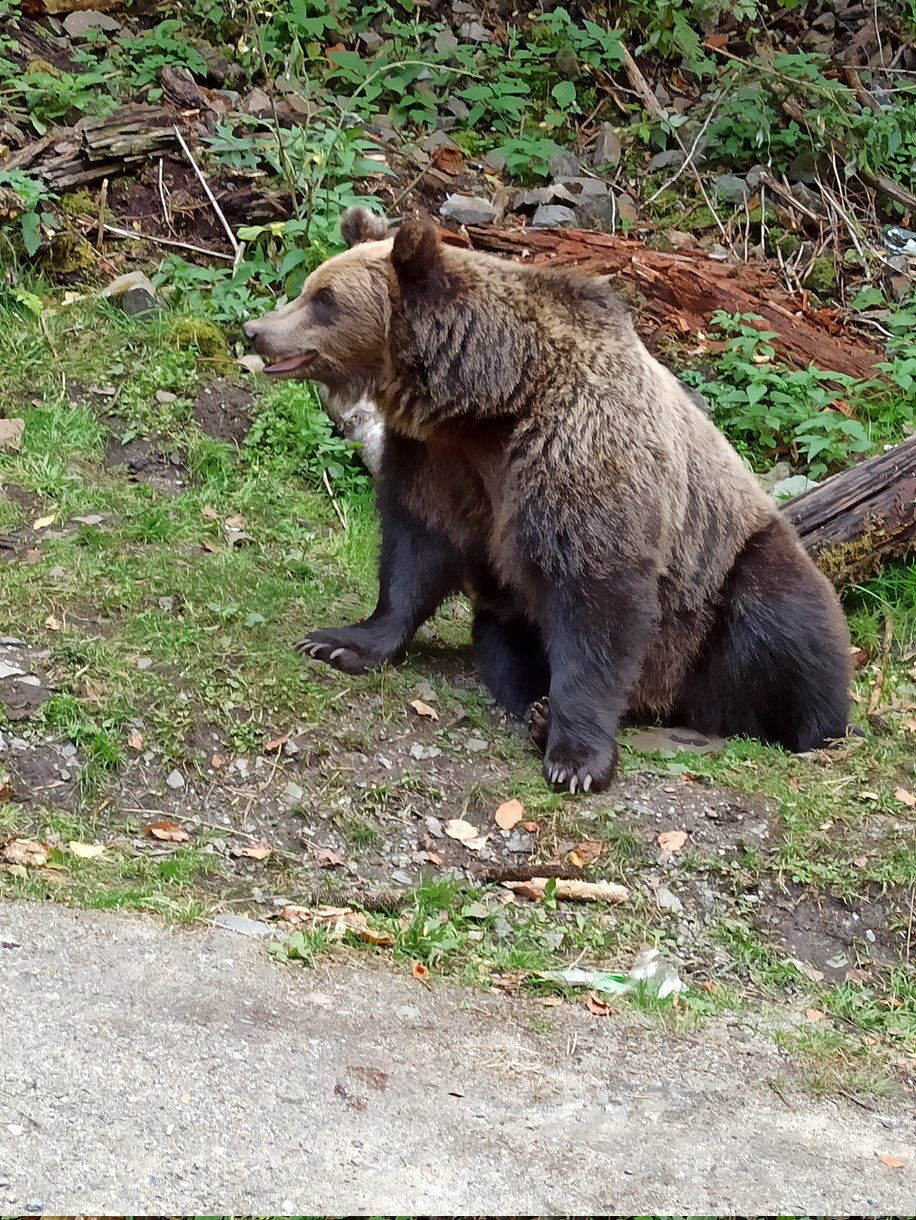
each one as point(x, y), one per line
point(688, 160)
point(409, 187)
point(166, 216)
point(878, 688)
point(641, 87)
point(158, 241)
point(909, 926)
point(337, 509)
point(236, 248)
point(182, 817)
point(851, 66)
point(103, 203)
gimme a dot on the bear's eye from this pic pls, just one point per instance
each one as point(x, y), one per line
point(324, 307)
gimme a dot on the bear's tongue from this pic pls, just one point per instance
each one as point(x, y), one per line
point(291, 363)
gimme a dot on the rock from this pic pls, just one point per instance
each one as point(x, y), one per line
point(552, 216)
point(468, 209)
point(164, 396)
point(257, 102)
point(607, 149)
point(523, 201)
point(242, 924)
point(455, 106)
point(732, 189)
point(9, 671)
point(175, 781)
point(438, 139)
point(581, 188)
point(138, 301)
point(665, 160)
point(220, 70)
point(679, 240)
point(496, 161)
point(445, 41)
point(627, 211)
point(787, 489)
point(370, 39)
point(782, 470)
point(598, 212)
point(144, 663)
point(520, 842)
point(91, 519)
point(473, 31)
point(647, 741)
point(293, 793)
point(565, 165)
point(476, 744)
point(11, 433)
point(78, 24)
point(666, 901)
point(123, 283)
point(421, 753)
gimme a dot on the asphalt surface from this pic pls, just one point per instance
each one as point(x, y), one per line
point(146, 1071)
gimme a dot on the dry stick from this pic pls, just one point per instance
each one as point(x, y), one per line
point(159, 241)
point(687, 163)
point(165, 207)
point(236, 248)
point(337, 509)
point(878, 688)
point(103, 202)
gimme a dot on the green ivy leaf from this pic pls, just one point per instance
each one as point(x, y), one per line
point(564, 94)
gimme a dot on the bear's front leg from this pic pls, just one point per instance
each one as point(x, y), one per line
point(597, 636)
point(418, 569)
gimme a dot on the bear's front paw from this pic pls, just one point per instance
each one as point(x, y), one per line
point(539, 724)
point(353, 650)
point(580, 768)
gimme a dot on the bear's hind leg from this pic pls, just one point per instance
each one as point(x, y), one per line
point(511, 660)
point(776, 663)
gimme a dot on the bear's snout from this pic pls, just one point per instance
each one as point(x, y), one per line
point(250, 330)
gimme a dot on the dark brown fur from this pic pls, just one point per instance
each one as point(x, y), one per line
point(619, 554)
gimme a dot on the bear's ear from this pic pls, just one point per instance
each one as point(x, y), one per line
point(359, 224)
point(416, 252)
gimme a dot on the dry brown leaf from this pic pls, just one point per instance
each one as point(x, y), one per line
point(135, 739)
point(52, 623)
point(419, 971)
point(167, 832)
point(906, 798)
point(7, 792)
point(464, 832)
point(448, 160)
point(433, 858)
point(87, 851)
point(509, 814)
point(585, 852)
point(423, 709)
point(25, 852)
point(910, 725)
point(329, 859)
point(672, 840)
point(532, 828)
point(893, 1162)
point(255, 851)
point(217, 762)
point(891, 1001)
point(235, 523)
point(209, 512)
point(573, 891)
point(277, 744)
point(814, 1014)
point(42, 523)
point(708, 985)
point(596, 1006)
point(208, 546)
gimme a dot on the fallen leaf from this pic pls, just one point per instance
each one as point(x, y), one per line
point(433, 858)
point(574, 891)
point(532, 828)
point(217, 762)
point(550, 1001)
point(419, 971)
point(509, 814)
point(277, 744)
point(910, 725)
point(463, 831)
point(135, 739)
point(87, 851)
point(11, 432)
point(596, 1006)
point(209, 512)
point(814, 1014)
point(586, 852)
point(329, 859)
point(22, 852)
point(235, 523)
point(708, 985)
point(858, 655)
point(371, 936)
point(891, 1001)
point(893, 1162)
point(51, 623)
point(423, 709)
point(905, 798)
point(448, 160)
point(254, 851)
point(672, 840)
point(42, 523)
point(167, 832)
point(7, 792)
point(208, 546)
point(715, 41)
point(869, 796)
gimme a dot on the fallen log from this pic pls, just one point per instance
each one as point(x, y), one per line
point(680, 291)
point(857, 520)
point(100, 148)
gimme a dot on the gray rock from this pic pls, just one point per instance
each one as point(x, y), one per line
point(496, 161)
point(524, 201)
point(607, 150)
point(78, 24)
point(468, 210)
point(582, 188)
point(175, 781)
point(666, 160)
point(438, 139)
point(445, 41)
point(598, 212)
point(787, 489)
point(520, 842)
point(257, 102)
point(137, 301)
point(293, 793)
point(565, 165)
point(646, 741)
point(473, 31)
point(732, 189)
point(552, 216)
point(666, 901)
point(477, 744)
point(457, 107)
point(242, 924)
point(370, 39)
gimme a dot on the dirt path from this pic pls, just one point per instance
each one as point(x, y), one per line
point(146, 1071)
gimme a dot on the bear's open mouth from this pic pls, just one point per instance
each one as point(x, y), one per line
point(290, 364)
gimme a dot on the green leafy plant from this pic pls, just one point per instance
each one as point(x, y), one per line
point(24, 206)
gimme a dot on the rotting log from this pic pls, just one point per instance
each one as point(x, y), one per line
point(680, 291)
point(855, 521)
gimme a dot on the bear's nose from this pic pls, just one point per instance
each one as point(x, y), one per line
point(250, 329)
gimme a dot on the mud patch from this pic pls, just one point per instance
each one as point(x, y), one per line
point(834, 937)
point(224, 411)
point(147, 460)
point(43, 773)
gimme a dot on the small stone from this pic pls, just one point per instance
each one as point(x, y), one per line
point(401, 878)
point(667, 901)
point(257, 102)
point(144, 662)
point(149, 756)
point(137, 301)
point(732, 189)
point(57, 572)
point(165, 396)
point(468, 210)
point(438, 139)
point(434, 827)
point(9, 671)
point(167, 604)
point(293, 793)
point(582, 188)
point(421, 752)
point(290, 748)
point(78, 24)
point(175, 781)
point(370, 39)
point(473, 31)
point(552, 216)
point(627, 210)
point(242, 924)
point(68, 750)
point(496, 161)
point(520, 842)
point(90, 519)
point(607, 150)
point(476, 744)
point(35, 1205)
point(11, 433)
point(15, 1129)
point(457, 107)
point(788, 489)
point(666, 160)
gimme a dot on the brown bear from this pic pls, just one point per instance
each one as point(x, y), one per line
point(619, 555)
